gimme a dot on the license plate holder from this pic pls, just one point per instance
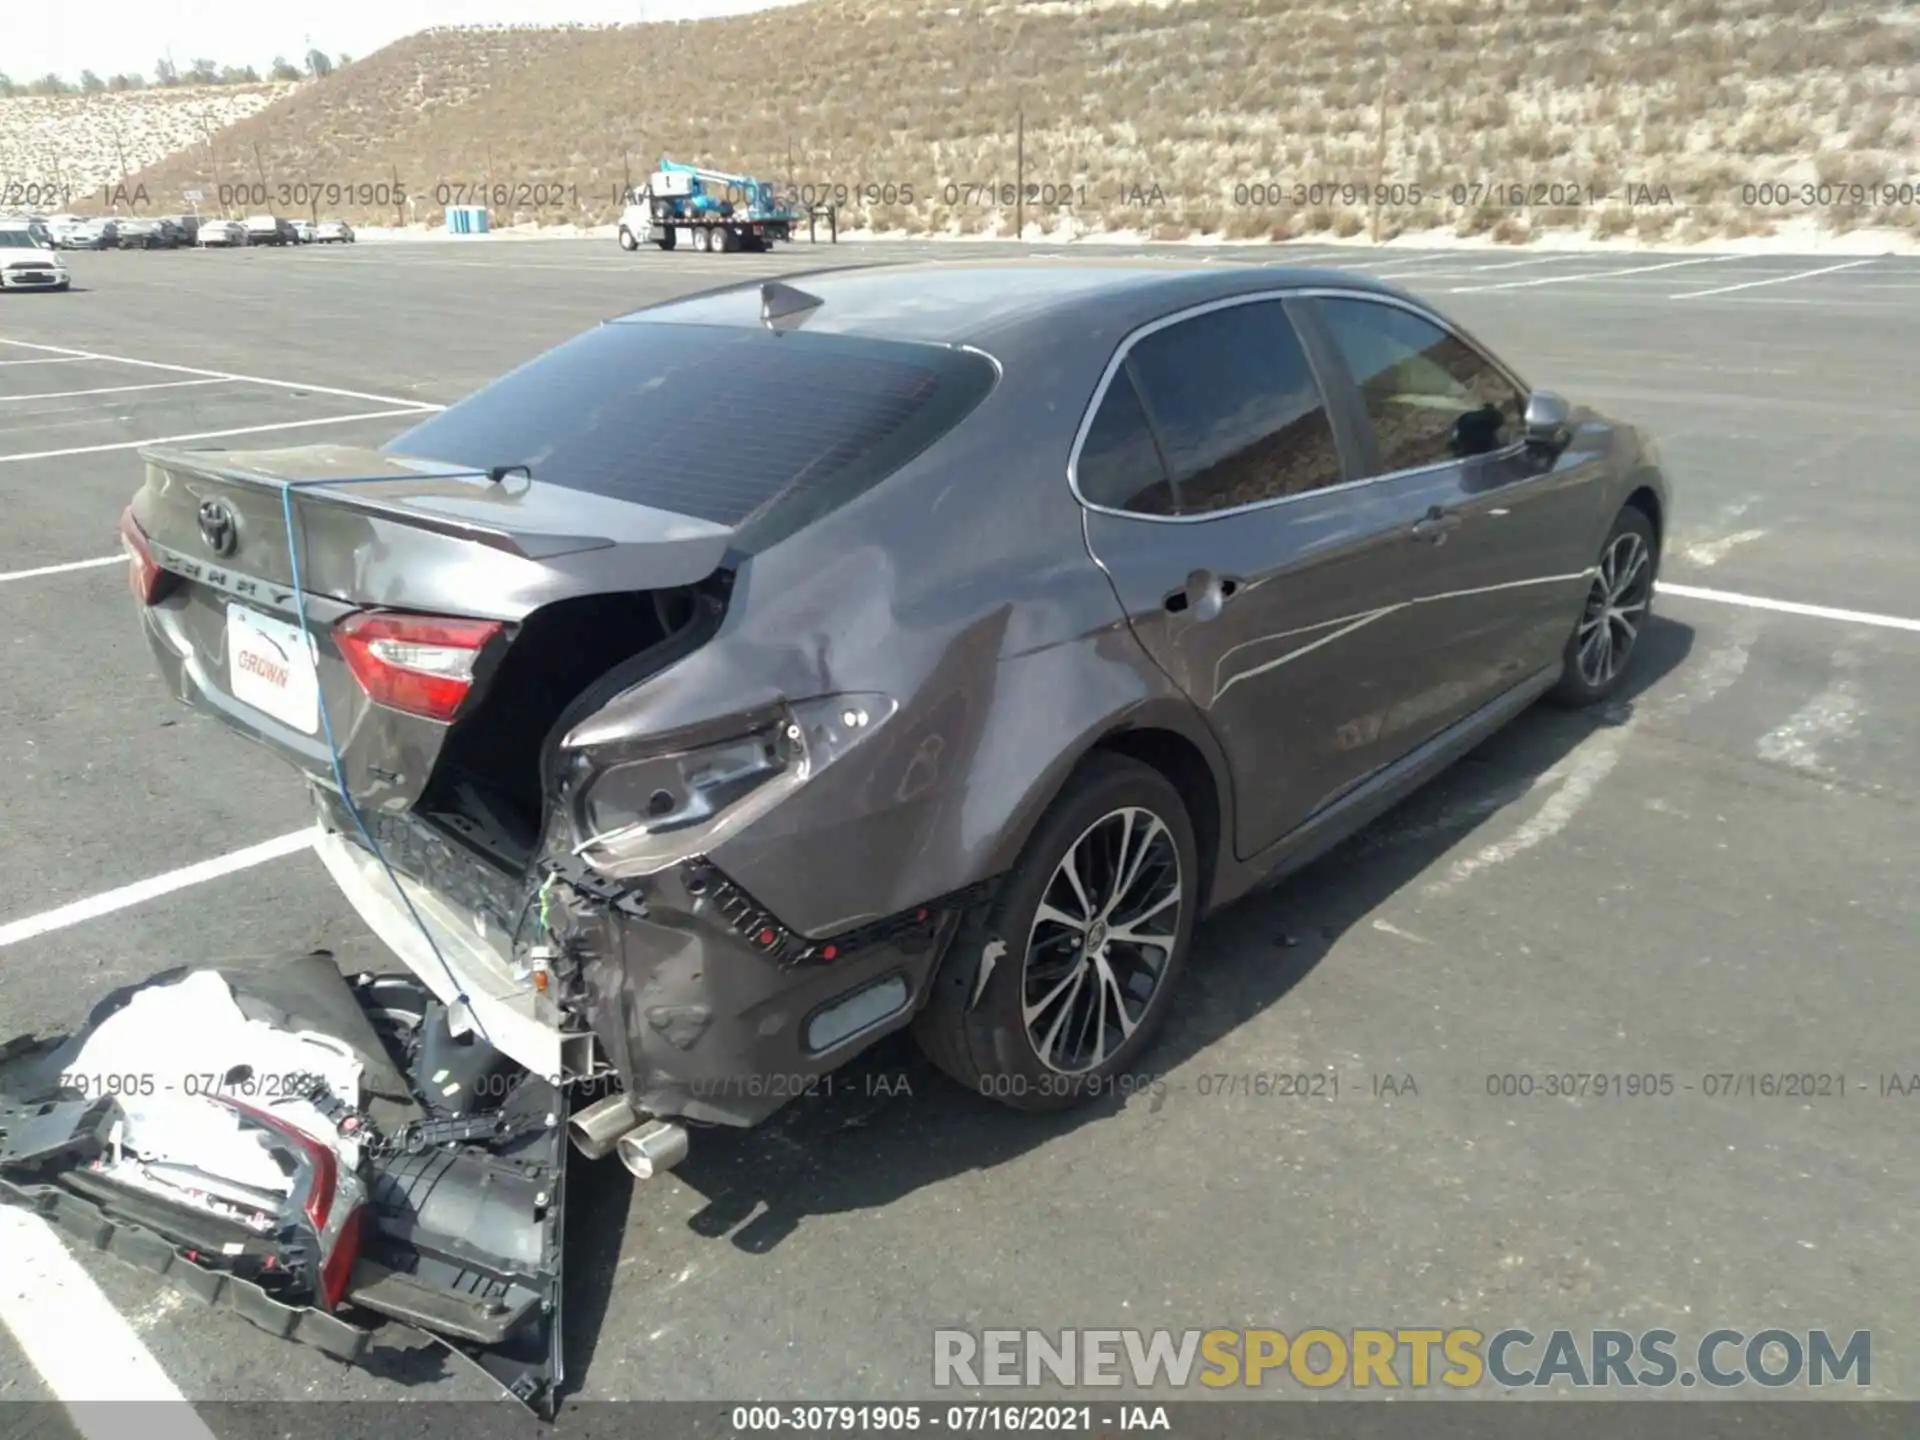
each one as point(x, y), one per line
point(272, 668)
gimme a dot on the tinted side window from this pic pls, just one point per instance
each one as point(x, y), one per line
point(1119, 465)
point(1236, 408)
point(1429, 396)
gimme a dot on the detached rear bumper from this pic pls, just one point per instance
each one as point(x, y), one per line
point(442, 1213)
point(97, 1227)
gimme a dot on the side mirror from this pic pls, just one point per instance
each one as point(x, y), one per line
point(1549, 422)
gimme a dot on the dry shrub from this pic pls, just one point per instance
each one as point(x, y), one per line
point(1651, 225)
point(1611, 221)
point(1248, 222)
point(1476, 222)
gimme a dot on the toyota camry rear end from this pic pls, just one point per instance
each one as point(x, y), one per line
point(489, 648)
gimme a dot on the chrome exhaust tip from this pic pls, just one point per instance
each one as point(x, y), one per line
point(652, 1149)
point(598, 1128)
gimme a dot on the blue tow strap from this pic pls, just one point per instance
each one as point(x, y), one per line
point(287, 487)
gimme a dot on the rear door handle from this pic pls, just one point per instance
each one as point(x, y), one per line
point(1436, 525)
point(1202, 595)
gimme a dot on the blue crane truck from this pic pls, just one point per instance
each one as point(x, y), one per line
point(710, 210)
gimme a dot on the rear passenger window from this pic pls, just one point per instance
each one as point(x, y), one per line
point(1236, 408)
point(1429, 396)
point(1119, 465)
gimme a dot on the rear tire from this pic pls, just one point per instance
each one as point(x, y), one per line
point(1606, 637)
point(1034, 1006)
point(627, 242)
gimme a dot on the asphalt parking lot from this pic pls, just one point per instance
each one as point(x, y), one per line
point(1712, 878)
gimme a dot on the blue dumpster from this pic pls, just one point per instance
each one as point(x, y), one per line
point(466, 219)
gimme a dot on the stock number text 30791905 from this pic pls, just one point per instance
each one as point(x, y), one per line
point(307, 194)
point(809, 195)
point(243, 1083)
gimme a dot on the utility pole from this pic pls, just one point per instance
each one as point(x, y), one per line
point(1380, 153)
point(1019, 172)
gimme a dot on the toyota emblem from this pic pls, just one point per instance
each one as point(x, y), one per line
point(219, 527)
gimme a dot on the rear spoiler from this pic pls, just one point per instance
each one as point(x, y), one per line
point(321, 472)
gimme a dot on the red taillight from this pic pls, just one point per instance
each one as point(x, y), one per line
point(327, 1191)
point(337, 1268)
point(419, 664)
point(144, 575)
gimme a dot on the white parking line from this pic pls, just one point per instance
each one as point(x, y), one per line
point(1400, 261)
point(1775, 280)
point(218, 434)
point(70, 565)
point(73, 360)
point(1421, 271)
point(216, 374)
point(1535, 260)
point(152, 888)
point(109, 390)
point(1593, 275)
point(84, 1349)
point(1291, 259)
point(1790, 607)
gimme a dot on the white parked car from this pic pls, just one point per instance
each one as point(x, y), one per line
point(28, 261)
point(221, 232)
point(302, 232)
point(333, 232)
point(90, 234)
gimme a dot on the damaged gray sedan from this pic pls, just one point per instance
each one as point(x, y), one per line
point(776, 668)
point(765, 670)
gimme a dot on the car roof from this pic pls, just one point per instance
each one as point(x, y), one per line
point(971, 302)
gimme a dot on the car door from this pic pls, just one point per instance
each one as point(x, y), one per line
point(1503, 586)
point(1270, 584)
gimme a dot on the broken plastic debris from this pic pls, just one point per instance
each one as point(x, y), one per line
point(186, 1045)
